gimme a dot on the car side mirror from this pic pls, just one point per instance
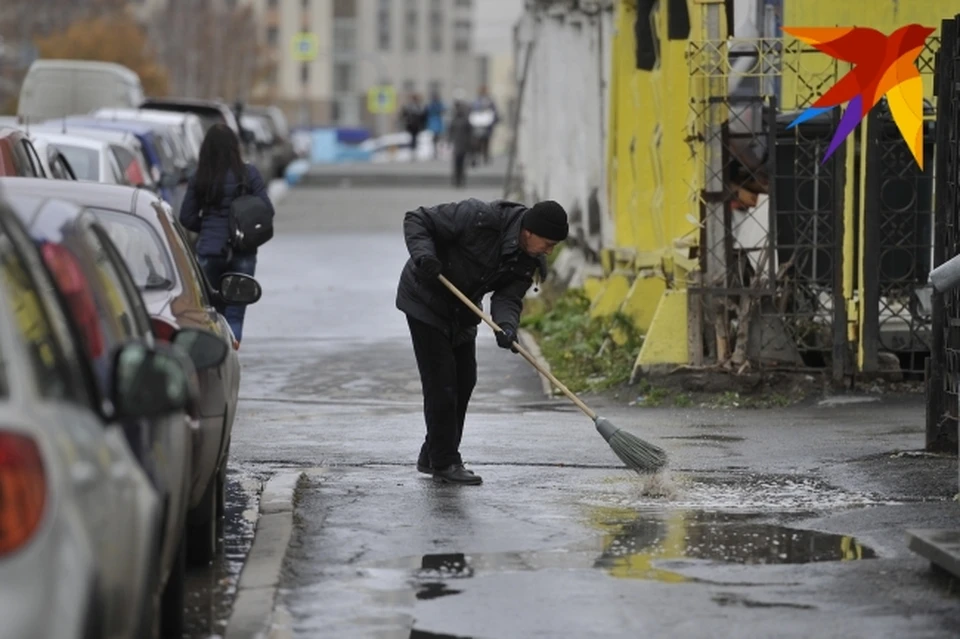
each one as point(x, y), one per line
point(204, 349)
point(148, 382)
point(238, 288)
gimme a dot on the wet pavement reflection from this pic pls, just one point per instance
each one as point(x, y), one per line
point(211, 590)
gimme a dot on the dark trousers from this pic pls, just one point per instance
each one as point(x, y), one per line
point(448, 374)
point(459, 168)
point(214, 267)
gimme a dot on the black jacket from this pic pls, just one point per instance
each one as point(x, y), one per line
point(478, 244)
point(212, 222)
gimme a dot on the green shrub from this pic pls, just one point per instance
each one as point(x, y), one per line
point(581, 350)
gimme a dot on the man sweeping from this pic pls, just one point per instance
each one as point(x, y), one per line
point(481, 247)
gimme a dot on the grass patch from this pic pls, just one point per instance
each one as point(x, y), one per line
point(582, 350)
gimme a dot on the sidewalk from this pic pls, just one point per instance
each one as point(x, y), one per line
point(435, 173)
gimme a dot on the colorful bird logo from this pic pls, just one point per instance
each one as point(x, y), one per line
point(883, 66)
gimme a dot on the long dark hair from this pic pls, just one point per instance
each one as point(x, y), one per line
point(219, 155)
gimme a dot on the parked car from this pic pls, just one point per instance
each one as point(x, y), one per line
point(210, 111)
point(18, 155)
point(162, 167)
point(177, 297)
point(189, 124)
point(110, 312)
point(281, 151)
point(58, 88)
point(131, 154)
point(90, 159)
point(78, 518)
point(55, 163)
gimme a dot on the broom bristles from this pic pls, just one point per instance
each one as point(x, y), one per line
point(637, 454)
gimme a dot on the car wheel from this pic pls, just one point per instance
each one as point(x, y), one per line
point(172, 600)
point(202, 527)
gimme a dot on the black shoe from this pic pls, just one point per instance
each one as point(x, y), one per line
point(457, 474)
point(424, 468)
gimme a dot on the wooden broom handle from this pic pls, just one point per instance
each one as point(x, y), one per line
point(520, 349)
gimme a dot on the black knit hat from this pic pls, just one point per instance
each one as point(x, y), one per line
point(548, 220)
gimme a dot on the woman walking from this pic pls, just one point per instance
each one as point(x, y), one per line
point(221, 177)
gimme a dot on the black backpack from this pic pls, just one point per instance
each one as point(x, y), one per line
point(250, 221)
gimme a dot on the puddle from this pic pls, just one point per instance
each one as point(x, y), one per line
point(210, 591)
point(632, 547)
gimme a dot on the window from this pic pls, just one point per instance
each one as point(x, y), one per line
point(344, 8)
point(31, 152)
point(344, 36)
point(436, 25)
point(383, 25)
point(342, 77)
point(85, 162)
point(39, 320)
point(131, 294)
point(410, 26)
point(128, 164)
point(273, 36)
point(142, 251)
point(59, 167)
point(461, 36)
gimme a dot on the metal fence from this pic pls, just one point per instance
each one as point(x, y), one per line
point(944, 382)
point(805, 264)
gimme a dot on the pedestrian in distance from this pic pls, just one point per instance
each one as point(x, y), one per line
point(460, 133)
point(481, 247)
point(435, 112)
point(414, 119)
point(221, 180)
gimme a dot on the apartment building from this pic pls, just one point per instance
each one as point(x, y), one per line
point(411, 45)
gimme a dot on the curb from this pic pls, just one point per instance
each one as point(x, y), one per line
point(529, 342)
point(253, 608)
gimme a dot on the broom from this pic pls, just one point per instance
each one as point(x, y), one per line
point(637, 454)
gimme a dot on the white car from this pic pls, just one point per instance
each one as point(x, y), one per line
point(91, 160)
point(191, 128)
point(54, 162)
point(79, 517)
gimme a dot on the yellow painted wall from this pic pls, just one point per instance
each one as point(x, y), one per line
point(650, 167)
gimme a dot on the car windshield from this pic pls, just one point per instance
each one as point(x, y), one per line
point(143, 252)
point(85, 162)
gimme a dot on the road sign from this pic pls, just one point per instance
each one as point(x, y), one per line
point(305, 47)
point(382, 99)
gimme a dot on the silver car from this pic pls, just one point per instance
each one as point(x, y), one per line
point(79, 518)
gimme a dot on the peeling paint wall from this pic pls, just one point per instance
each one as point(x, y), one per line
point(561, 143)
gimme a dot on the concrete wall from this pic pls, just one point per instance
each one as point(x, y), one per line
point(562, 130)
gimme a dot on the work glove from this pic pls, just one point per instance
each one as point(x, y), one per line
point(506, 338)
point(429, 267)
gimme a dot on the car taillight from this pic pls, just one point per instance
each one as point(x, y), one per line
point(23, 491)
point(162, 329)
point(74, 286)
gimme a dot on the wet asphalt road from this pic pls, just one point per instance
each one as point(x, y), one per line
point(780, 523)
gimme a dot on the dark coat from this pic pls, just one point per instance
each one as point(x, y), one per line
point(212, 222)
point(478, 244)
